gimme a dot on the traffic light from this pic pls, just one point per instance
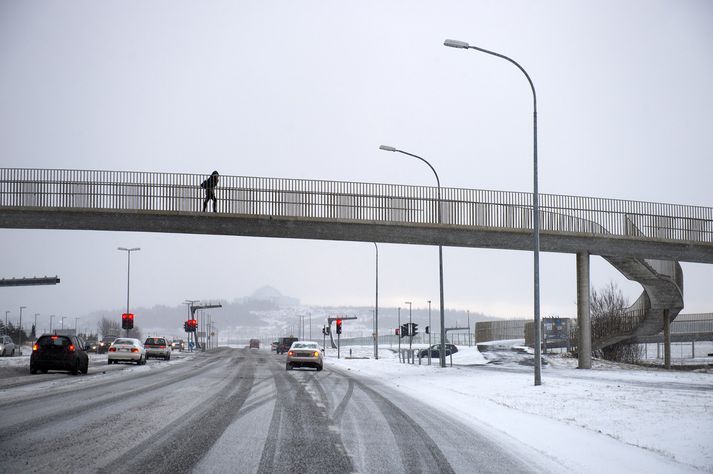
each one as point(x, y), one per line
point(127, 321)
point(190, 325)
point(404, 330)
point(396, 331)
point(327, 330)
point(428, 329)
point(413, 330)
point(339, 326)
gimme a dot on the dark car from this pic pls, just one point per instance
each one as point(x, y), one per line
point(52, 352)
point(103, 346)
point(284, 343)
point(436, 350)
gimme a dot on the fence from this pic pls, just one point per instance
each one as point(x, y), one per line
point(317, 199)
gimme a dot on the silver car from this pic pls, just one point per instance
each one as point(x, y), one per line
point(305, 354)
point(7, 347)
point(158, 347)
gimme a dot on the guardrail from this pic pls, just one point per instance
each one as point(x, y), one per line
point(375, 202)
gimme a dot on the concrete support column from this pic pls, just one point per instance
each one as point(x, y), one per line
point(584, 345)
point(666, 340)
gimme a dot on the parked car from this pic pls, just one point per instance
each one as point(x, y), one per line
point(254, 343)
point(436, 350)
point(178, 345)
point(158, 347)
point(305, 354)
point(126, 349)
point(284, 343)
point(103, 346)
point(52, 352)
point(7, 347)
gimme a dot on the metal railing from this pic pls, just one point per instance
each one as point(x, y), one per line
point(374, 202)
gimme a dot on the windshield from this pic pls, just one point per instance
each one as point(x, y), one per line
point(155, 340)
point(304, 345)
point(124, 341)
point(53, 341)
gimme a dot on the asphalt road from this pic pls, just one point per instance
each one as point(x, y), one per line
point(232, 410)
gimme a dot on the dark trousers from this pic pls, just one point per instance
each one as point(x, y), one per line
point(210, 195)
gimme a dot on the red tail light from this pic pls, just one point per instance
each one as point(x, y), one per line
point(71, 348)
point(112, 349)
point(161, 347)
point(34, 347)
point(134, 349)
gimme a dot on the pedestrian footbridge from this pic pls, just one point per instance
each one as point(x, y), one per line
point(644, 240)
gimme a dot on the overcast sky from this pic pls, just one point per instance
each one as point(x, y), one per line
point(310, 89)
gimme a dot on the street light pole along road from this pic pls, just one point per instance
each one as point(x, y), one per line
point(128, 276)
point(535, 201)
point(376, 306)
point(442, 351)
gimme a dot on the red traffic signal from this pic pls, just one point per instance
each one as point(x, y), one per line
point(191, 325)
point(339, 326)
point(127, 321)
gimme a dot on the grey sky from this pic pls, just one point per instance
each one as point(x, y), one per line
point(310, 89)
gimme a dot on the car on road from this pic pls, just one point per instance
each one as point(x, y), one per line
point(254, 343)
point(93, 345)
point(53, 352)
point(305, 354)
point(7, 347)
point(436, 350)
point(178, 345)
point(126, 349)
point(158, 347)
point(284, 343)
point(103, 346)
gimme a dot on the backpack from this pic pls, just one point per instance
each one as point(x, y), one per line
point(204, 184)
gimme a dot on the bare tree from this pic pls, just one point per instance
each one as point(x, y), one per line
point(608, 318)
point(108, 327)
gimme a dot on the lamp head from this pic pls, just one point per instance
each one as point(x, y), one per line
point(386, 148)
point(451, 43)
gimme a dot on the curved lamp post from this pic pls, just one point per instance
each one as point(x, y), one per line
point(376, 307)
point(442, 351)
point(535, 201)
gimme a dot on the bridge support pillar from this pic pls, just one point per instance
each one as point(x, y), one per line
point(584, 344)
point(666, 340)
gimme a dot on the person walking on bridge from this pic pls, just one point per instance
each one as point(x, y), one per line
point(209, 186)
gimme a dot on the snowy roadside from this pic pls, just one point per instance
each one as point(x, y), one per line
point(613, 417)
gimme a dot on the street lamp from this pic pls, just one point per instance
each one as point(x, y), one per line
point(410, 329)
point(430, 330)
point(128, 275)
point(376, 306)
point(442, 351)
point(535, 202)
point(35, 326)
point(20, 335)
point(6, 313)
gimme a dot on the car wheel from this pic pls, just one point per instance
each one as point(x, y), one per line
point(144, 362)
point(33, 370)
point(319, 368)
point(288, 367)
point(75, 369)
point(109, 361)
point(12, 354)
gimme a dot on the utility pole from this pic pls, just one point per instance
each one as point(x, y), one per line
point(430, 330)
point(410, 329)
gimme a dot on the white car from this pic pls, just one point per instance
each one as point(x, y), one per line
point(125, 349)
point(7, 347)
